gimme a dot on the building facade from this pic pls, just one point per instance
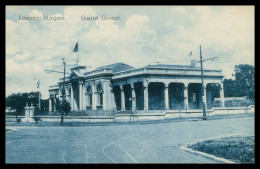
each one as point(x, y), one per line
point(121, 87)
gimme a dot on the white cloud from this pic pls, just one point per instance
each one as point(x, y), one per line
point(10, 50)
point(227, 32)
point(112, 43)
point(134, 21)
point(23, 56)
point(35, 13)
point(137, 29)
point(30, 45)
point(12, 67)
point(10, 38)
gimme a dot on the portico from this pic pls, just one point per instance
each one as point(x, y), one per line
point(154, 87)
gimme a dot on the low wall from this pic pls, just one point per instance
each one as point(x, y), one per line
point(145, 116)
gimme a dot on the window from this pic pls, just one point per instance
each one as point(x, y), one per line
point(90, 99)
point(99, 95)
point(89, 95)
point(100, 99)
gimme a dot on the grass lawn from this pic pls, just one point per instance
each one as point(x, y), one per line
point(237, 149)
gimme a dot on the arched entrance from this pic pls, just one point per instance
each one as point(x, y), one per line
point(176, 96)
point(213, 91)
point(139, 92)
point(156, 96)
point(194, 96)
point(89, 98)
point(99, 97)
point(117, 95)
point(128, 96)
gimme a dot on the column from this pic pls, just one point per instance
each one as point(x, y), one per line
point(122, 98)
point(94, 107)
point(68, 93)
point(27, 111)
point(71, 98)
point(222, 97)
point(80, 95)
point(84, 96)
point(186, 103)
point(50, 104)
point(208, 96)
point(54, 104)
point(112, 99)
point(166, 96)
point(108, 96)
point(146, 97)
point(133, 98)
point(31, 113)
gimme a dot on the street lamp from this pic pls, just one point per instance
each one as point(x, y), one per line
point(202, 84)
point(132, 111)
point(202, 88)
point(63, 97)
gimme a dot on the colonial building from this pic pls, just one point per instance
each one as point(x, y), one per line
point(122, 87)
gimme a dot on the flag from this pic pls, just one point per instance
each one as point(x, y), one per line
point(38, 84)
point(190, 54)
point(75, 48)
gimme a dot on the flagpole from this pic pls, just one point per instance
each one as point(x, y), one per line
point(79, 35)
point(77, 58)
point(76, 50)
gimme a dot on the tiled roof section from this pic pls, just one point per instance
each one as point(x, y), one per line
point(117, 67)
point(171, 66)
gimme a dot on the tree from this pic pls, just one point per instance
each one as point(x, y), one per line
point(17, 102)
point(52, 103)
point(230, 88)
point(214, 90)
point(63, 107)
point(245, 79)
point(244, 83)
point(33, 98)
point(58, 105)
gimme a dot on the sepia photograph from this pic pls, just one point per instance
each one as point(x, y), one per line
point(159, 84)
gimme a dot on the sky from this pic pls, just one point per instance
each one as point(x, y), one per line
point(141, 36)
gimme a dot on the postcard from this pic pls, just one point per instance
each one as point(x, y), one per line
point(130, 84)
